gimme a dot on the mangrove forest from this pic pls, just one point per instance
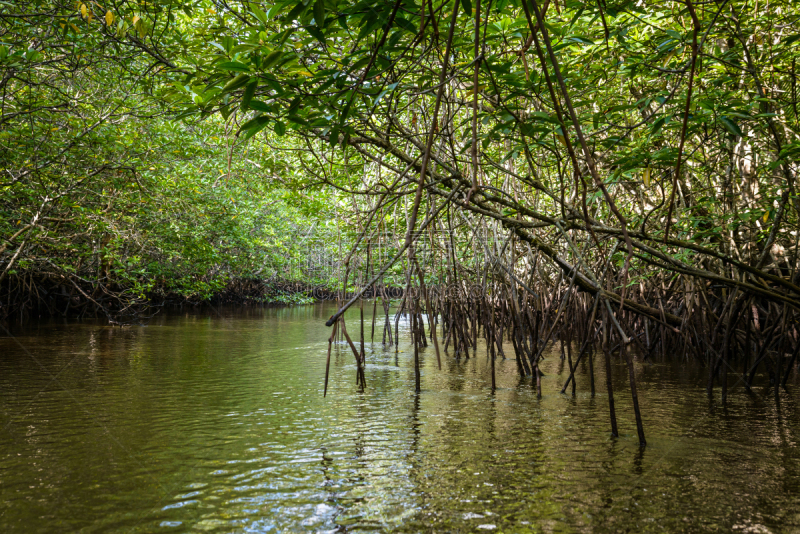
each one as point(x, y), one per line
point(399, 265)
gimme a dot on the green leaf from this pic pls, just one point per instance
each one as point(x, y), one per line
point(791, 39)
point(296, 11)
point(260, 15)
point(731, 126)
point(259, 124)
point(249, 92)
point(271, 59)
point(657, 125)
point(576, 17)
point(542, 116)
point(360, 63)
point(260, 106)
point(705, 104)
point(582, 40)
point(407, 25)
point(280, 128)
point(367, 25)
point(383, 93)
point(316, 34)
point(394, 39)
point(234, 66)
point(275, 86)
point(236, 83)
point(319, 13)
point(531, 130)
point(254, 122)
point(467, 5)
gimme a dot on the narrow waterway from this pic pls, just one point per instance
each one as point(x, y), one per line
point(215, 421)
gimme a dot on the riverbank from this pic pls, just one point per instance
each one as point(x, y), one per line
point(30, 297)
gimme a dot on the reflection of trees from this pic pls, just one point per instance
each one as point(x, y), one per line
point(162, 392)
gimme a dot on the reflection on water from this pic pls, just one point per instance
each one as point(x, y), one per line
point(216, 422)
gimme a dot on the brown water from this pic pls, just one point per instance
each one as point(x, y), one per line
point(216, 422)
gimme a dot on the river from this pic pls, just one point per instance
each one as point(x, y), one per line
point(214, 420)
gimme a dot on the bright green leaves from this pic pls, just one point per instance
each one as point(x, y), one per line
point(258, 13)
point(143, 173)
point(234, 66)
point(625, 66)
point(236, 83)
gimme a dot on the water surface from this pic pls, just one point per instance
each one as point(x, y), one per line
point(215, 421)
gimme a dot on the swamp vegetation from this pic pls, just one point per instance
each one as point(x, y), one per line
point(613, 173)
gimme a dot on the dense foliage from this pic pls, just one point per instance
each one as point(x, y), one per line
point(662, 134)
point(670, 127)
point(104, 195)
